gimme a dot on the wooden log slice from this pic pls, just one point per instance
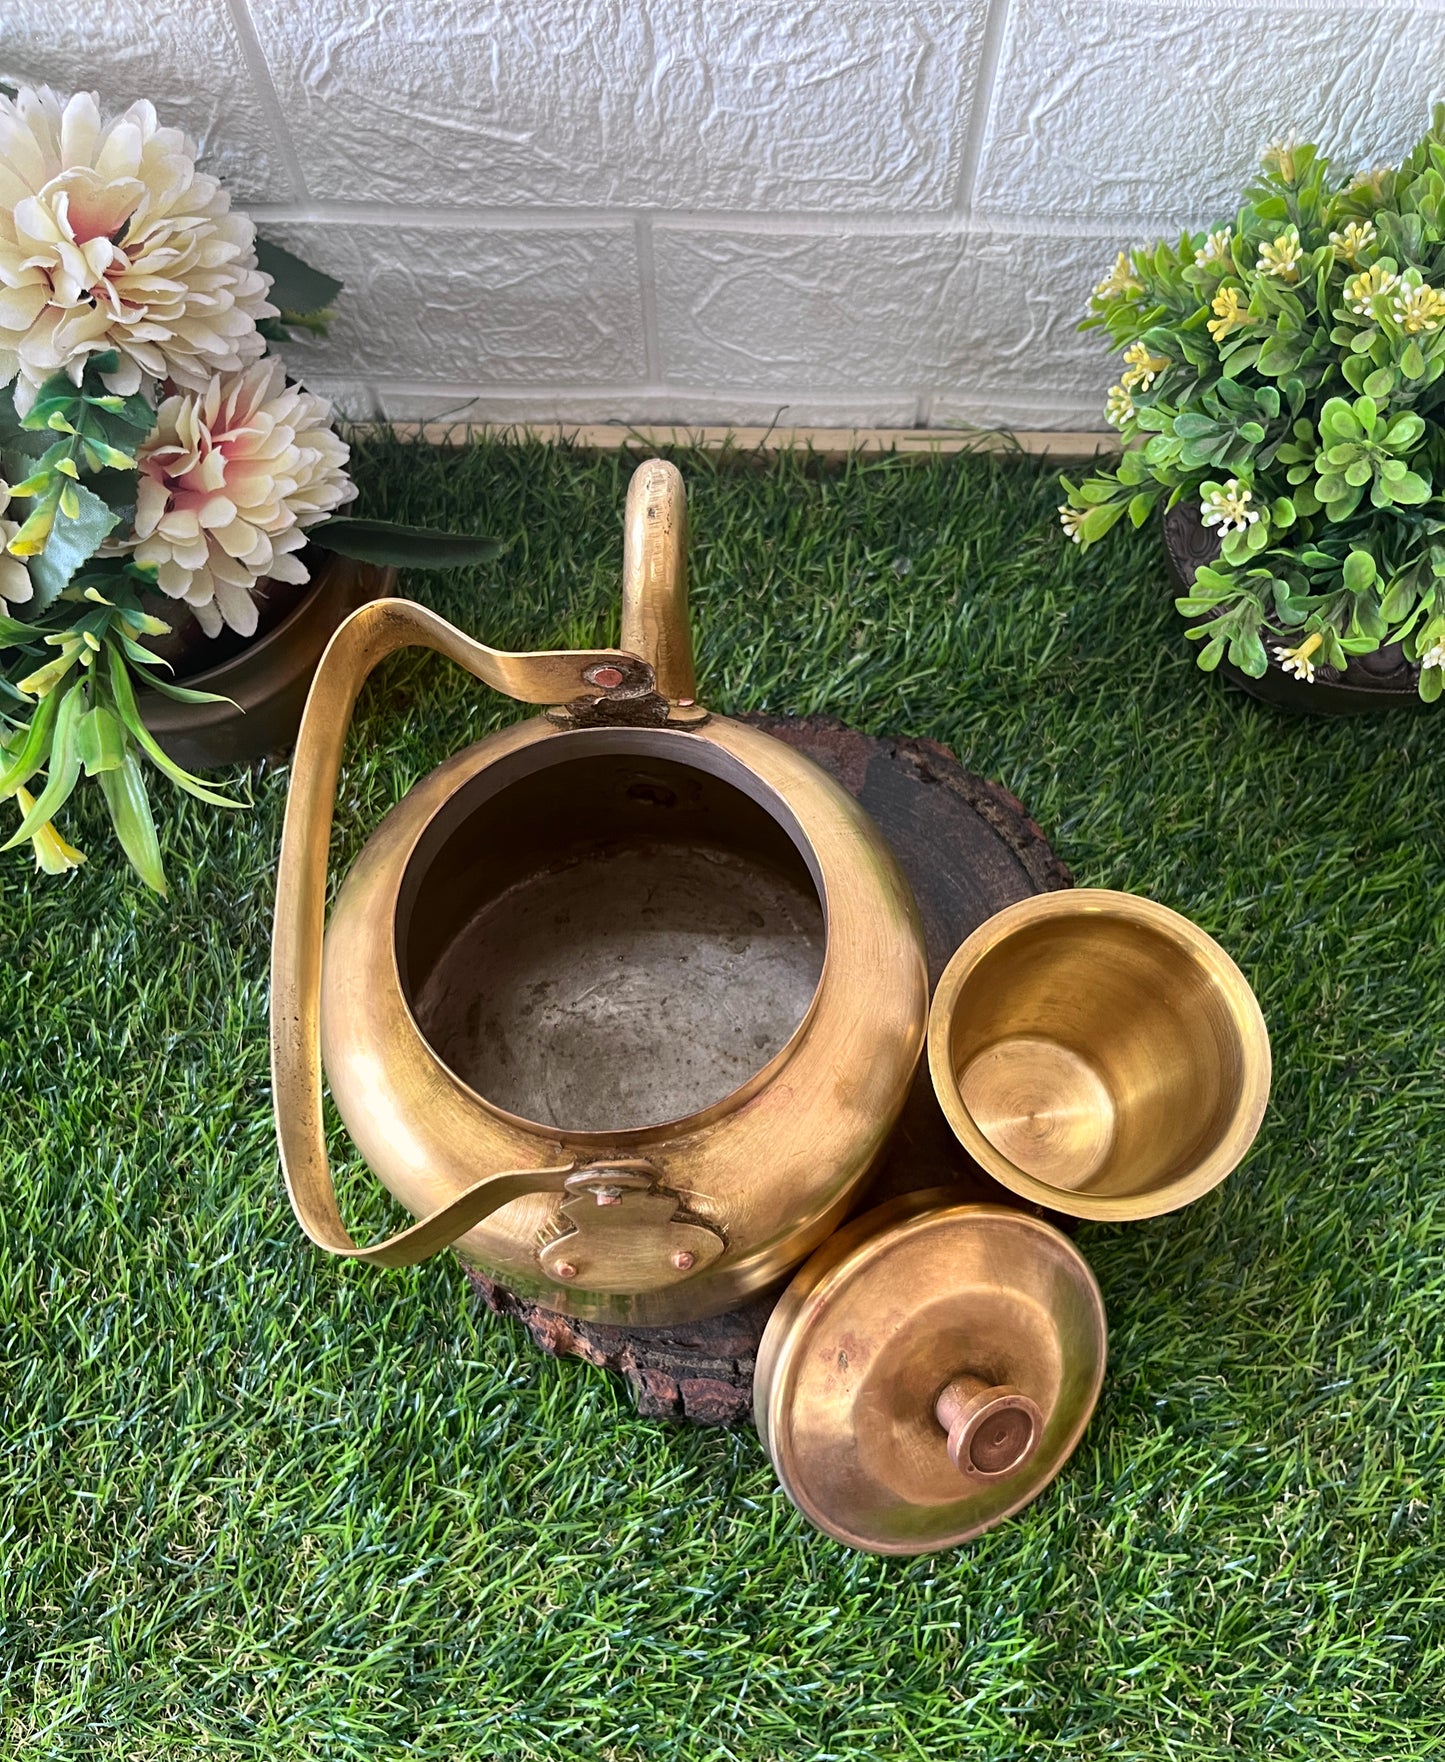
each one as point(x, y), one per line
point(968, 848)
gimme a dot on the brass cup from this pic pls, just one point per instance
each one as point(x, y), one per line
point(1099, 1054)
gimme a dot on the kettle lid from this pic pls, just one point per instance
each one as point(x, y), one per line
point(929, 1371)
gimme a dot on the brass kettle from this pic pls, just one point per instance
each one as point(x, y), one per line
point(622, 1001)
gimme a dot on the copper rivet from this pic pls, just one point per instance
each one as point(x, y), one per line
point(566, 1270)
point(686, 703)
point(607, 677)
point(683, 1260)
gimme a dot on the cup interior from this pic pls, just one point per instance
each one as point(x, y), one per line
point(1101, 1054)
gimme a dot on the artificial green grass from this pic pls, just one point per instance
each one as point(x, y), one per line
point(255, 1502)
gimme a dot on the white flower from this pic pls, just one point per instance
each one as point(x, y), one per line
point(15, 586)
point(1434, 656)
point(1358, 236)
point(1418, 308)
point(1215, 250)
point(1121, 279)
point(229, 480)
point(1227, 507)
point(1281, 257)
point(111, 239)
point(1142, 367)
point(1071, 519)
point(1298, 660)
point(1361, 290)
point(1119, 406)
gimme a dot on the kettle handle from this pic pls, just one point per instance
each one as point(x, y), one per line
point(360, 643)
point(654, 578)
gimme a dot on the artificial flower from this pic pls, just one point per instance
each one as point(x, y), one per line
point(1299, 661)
point(111, 239)
point(1227, 506)
point(1362, 290)
point(229, 481)
point(52, 853)
point(1215, 252)
point(1279, 156)
point(1119, 406)
point(1418, 308)
point(1071, 519)
point(15, 586)
point(1142, 367)
point(1120, 280)
point(1280, 258)
point(1232, 314)
point(1359, 235)
point(1434, 656)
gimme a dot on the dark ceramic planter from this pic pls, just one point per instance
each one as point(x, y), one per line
point(267, 677)
point(1384, 680)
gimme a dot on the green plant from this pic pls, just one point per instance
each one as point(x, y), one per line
point(1284, 374)
point(152, 446)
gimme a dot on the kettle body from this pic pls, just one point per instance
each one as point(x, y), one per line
point(623, 1001)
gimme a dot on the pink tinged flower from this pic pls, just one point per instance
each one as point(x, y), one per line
point(111, 239)
point(15, 584)
point(229, 480)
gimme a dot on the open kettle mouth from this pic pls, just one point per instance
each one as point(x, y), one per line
point(610, 933)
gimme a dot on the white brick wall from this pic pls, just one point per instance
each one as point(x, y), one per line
point(735, 210)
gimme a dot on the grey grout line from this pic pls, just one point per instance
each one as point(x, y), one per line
point(267, 97)
point(923, 415)
point(647, 288)
point(932, 224)
point(985, 84)
point(457, 390)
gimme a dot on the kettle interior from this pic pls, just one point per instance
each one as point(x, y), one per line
point(611, 929)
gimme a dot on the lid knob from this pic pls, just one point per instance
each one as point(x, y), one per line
point(993, 1429)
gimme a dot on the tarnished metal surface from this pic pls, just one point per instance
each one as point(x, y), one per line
point(626, 983)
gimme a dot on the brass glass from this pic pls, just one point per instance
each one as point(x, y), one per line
point(928, 1372)
point(1099, 1054)
point(763, 1077)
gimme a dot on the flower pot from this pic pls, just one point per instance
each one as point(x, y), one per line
point(1383, 680)
point(267, 680)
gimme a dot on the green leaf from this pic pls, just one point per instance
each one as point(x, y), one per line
point(406, 547)
point(124, 789)
point(1098, 521)
point(1432, 682)
point(125, 704)
point(12, 631)
point(1359, 571)
point(1247, 653)
point(71, 543)
point(101, 740)
point(1410, 490)
point(33, 749)
point(183, 694)
point(1398, 602)
point(61, 771)
point(295, 286)
point(1404, 431)
point(1412, 361)
point(1212, 653)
